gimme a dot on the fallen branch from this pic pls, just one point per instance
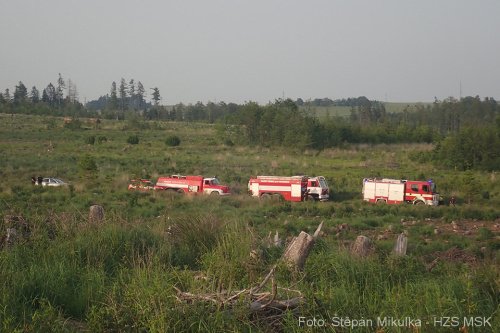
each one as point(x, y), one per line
point(264, 306)
point(265, 299)
point(264, 282)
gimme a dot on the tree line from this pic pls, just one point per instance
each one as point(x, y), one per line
point(351, 102)
point(61, 99)
point(52, 100)
point(125, 97)
point(466, 132)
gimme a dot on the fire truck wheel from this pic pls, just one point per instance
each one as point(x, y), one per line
point(381, 202)
point(266, 196)
point(419, 202)
point(214, 193)
point(180, 191)
point(278, 197)
point(169, 192)
point(311, 197)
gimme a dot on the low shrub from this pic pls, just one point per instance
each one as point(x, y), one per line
point(173, 141)
point(87, 163)
point(90, 140)
point(133, 140)
point(485, 234)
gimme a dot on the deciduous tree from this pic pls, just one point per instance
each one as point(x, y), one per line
point(72, 92)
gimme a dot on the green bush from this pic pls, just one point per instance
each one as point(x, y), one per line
point(133, 140)
point(87, 163)
point(90, 140)
point(173, 141)
point(485, 233)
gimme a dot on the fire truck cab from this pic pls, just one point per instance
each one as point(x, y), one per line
point(317, 189)
point(393, 191)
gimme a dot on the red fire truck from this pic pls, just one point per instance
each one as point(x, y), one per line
point(192, 184)
point(288, 188)
point(394, 191)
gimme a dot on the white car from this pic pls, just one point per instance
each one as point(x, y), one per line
point(53, 182)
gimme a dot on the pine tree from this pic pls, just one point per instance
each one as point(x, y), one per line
point(45, 96)
point(60, 91)
point(131, 93)
point(156, 96)
point(113, 103)
point(34, 95)
point(49, 95)
point(20, 94)
point(123, 94)
point(470, 186)
point(6, 95)
point(140, 95)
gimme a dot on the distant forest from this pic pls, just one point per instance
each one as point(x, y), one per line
point(465, 132)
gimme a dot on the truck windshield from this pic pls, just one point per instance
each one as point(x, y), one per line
point(433, 188)
point(322, 182)
point(215, 181)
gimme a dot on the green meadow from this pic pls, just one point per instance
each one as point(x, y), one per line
point(66, 274)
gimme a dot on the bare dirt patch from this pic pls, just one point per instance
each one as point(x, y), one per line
point(467, 227)
point(457, 255)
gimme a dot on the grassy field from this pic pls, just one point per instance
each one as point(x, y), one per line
point(69, 275)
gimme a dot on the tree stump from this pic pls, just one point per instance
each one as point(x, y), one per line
point(19, 223)
point(11, 237)
point(96, 214)
point(298, 250)
point(401, 245)
point(362, 247)
point(277, 240)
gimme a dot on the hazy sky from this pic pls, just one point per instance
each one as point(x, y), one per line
point(256, 50)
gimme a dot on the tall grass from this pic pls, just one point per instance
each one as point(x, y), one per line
point(119, 276)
